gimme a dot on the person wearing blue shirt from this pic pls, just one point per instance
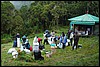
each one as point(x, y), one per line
point(64, 41)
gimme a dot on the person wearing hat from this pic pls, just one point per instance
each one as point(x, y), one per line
point(25, 42)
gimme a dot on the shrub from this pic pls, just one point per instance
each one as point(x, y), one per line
point(26, 57)
point(5, 40)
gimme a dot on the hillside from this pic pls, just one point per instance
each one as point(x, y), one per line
point(88, 55)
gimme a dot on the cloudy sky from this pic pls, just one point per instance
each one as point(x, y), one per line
point(18, 4)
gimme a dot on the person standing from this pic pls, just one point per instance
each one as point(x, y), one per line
point(69, 32)
point(72, 27)
point(18, 39)
point(76, 39)
point(53, 34)
point(64, 41)
point(45, 38)
point(88, 29)
point(71, 37)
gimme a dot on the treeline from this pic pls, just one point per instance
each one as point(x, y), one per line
point(42, 15)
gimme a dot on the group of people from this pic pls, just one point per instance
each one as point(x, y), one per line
point(71, 38)
point(25, 46)
point(74, 38)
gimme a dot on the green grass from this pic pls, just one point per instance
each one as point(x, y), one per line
point(88, 55)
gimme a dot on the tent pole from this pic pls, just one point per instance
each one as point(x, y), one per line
point(92, 29)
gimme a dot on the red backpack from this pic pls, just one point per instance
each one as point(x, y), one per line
point(31, 48)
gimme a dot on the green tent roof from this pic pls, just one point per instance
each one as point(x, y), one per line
point(86, 18)
point(82, 23)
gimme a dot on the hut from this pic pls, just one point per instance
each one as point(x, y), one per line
point(85, 22)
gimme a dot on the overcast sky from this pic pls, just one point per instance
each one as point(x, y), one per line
point(18, 4)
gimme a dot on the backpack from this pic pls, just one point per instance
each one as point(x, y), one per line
point(31, 48)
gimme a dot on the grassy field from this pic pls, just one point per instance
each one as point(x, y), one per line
point(88, 55)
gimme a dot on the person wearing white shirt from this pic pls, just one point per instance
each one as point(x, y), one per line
point(71, 37)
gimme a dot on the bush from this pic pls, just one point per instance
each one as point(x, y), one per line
point(26, 57)
point(5, 41)
point(5, 38)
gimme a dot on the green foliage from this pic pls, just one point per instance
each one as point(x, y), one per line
point(5, 38)
point(7, 17)
point(24, 11)
point(17, 25)
point(6, 41)
point(42, 15)
point(25, 57)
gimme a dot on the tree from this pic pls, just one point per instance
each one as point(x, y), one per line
point(7, 13)
point(24, 11)
point(42, 15)
point(18, 25)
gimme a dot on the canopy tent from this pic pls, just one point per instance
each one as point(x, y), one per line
point(86, 19)
point(83, 23)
